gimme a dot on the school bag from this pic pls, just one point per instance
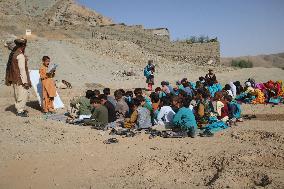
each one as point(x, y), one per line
point(147, 72)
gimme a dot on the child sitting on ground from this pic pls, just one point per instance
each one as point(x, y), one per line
point(128, 97)
point(204, 107)
point(166, 113)
point(83, 105)
point(165, 88)
point(159, 92)
point(155, 101)
point(121, 108)
point(140, 117)
point(110, 108)
point(234, 110)
point(176, 103)
point(110, 98)
point(185, 119)
point(221, 107)
point(99, 118)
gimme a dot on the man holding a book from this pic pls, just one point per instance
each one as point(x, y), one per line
point(47, 73)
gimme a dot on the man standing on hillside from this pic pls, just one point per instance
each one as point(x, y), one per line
point(17, 75)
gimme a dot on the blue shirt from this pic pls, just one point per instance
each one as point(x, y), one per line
point(185, 118)
point(188, 91)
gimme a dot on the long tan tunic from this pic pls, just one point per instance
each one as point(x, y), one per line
point(48, 89)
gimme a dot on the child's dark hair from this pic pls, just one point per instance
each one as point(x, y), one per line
point(182, 93)
point(95, 100)
point(140, 98)
point(122, 91)
point(136, 102)
point(118, 94)
point(186, 102)
point(44, 58)
point(201, 78)
point(203, 92)
point(158, 89)
point(163, 83)
point(227, 87)
point(103, 96)
point(166, 101)
point(89, 94)
point(138, 91)
point(229, 98)
point(97, 92)
point(106, 91)
point(154, 97)
point(186, 84)
point(129, 93)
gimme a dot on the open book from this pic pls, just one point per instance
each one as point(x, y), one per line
point(51, 68)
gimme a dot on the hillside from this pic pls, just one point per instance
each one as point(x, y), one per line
point(66, 20)
point(267, 61)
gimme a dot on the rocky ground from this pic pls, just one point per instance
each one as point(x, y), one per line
point(40, 153)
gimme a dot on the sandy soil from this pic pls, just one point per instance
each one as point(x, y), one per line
point(40, 153)
point(36, 153)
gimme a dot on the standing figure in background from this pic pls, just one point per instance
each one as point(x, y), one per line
point(149, 74)
point(17, 75)
point(210, 78)
point(48, 86)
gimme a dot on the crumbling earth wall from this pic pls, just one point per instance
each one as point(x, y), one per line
point(161, 45)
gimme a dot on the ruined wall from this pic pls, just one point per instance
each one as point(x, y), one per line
point(161, 32)
point(157, 41)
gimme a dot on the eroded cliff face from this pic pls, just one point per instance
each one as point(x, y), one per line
point(69, 21)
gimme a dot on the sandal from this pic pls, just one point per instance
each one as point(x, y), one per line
point(111, 140)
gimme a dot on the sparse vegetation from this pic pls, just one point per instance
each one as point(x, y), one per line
point(242, 63)
point(200, 39)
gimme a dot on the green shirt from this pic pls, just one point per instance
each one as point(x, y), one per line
point(100, 116)
point(84, 105)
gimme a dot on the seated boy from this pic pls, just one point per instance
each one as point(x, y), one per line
point(234, 110)
point(99, 118)
point(204, 107)
point(166, 113)
point(185, 119)
point(110, 98)
point(121, 108)
point(83, 105)
point(140, 117)
point(221, 107)
point(109, 106)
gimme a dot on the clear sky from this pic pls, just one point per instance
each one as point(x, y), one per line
point(244, 27)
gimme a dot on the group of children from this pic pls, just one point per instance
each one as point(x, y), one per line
point(186, 107)
point(261, 93)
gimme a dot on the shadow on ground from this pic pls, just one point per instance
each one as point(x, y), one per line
point(32, 104)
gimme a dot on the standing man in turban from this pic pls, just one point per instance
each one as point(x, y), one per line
point(17, 75)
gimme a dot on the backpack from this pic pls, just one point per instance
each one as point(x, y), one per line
point(147, 72)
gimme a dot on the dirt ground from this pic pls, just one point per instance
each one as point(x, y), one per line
point(40, 153)
point(37, 153)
